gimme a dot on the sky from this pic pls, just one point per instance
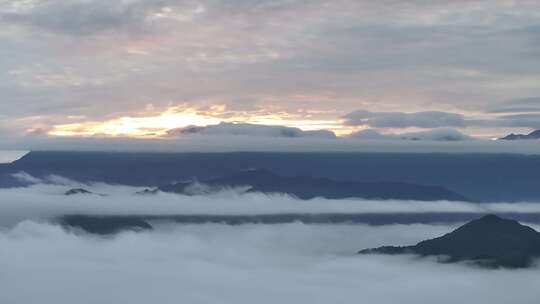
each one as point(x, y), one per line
point(151, 68)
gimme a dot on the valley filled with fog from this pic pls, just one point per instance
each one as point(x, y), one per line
point(45, 199)
point(214, 262)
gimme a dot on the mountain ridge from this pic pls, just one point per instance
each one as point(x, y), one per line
point(479, 177)
point(489, 241)
point(532, 135)
point(306, 187)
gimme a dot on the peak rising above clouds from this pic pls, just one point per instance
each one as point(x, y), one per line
point(489, 241)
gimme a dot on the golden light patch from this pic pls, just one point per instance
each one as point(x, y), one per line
point(180, 117)
point(152, 126)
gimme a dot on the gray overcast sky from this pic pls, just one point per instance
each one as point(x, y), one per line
point(76, 67)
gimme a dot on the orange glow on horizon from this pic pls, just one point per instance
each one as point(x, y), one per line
point(158, 125)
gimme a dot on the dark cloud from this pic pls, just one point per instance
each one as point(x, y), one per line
point(435, 119)
point(523, 105)
point(429, 119)
point(81, 17)
point(439, 134)
point(515, 110)
point(244, 129)
point(520, 120)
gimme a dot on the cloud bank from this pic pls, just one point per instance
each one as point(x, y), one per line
point(239, 143)
point(209, 263)
point(525, 105)
point(431, 119)
point(245, 129)
point(213, 263)
point(437, 119)
point(46, 201)
point(440, 134)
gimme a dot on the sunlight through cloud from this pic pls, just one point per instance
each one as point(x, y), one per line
point(181, 117)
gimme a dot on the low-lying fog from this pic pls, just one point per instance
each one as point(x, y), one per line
point(45, 199)
point(212, 263)
point(217, 263)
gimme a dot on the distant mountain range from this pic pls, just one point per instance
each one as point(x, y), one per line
point(532, 135)
point(305, 187)
point(479, 177)
point(489, 241)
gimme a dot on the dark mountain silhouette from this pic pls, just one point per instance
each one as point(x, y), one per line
point(304, 187)
point(479, 177)
point(109, 224)
point(489, 241)
point(81, 191)
point(532, 135)
point(104, 225)
point(77, 191)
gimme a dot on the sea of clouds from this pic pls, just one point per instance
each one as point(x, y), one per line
point(215, 263)
point(41, 262)
point(45, 200)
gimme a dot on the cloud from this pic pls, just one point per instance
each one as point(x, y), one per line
point(441, 134)
point(429, 119)
point(245, 129)
point(521, 120)
point(436, 119)
point(94, 60)
point(208, 263)
point(45, 200)
point(27, 179)
point(524, 105)
point(528, 121)
point(81, 17)
point(195, 143)
point(213, 263)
